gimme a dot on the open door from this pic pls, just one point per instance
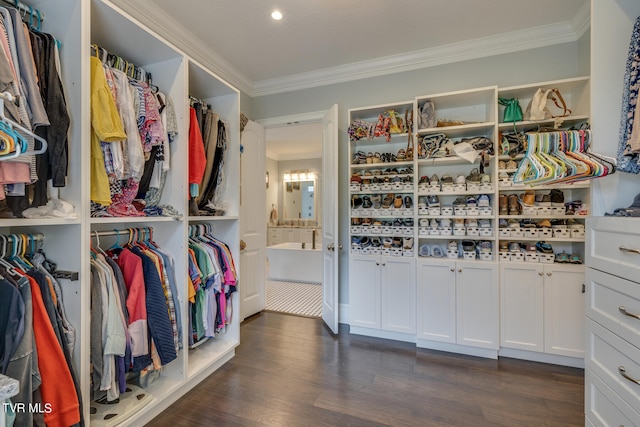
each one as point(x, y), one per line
point(330, 244)
point(253, 228)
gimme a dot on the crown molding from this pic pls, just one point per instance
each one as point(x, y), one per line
point(293, 119)
point(164, 24)
point(581, 21)
point(547, 35)
point(515, 41)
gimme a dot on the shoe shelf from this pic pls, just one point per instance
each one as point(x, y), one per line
point(386, 165)
point(459, 131)
point(444, 161)
point(564, 122)
point(568, 186)
point(546, 239)
point(545, 216)
point(455, 237)
point(365, 192)
point(455, 193)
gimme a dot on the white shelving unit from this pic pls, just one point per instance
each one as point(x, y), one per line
point(78, 24)
point(446, 284)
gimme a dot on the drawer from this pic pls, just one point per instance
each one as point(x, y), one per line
point(613, 246)
point(606, 296)
point(603, 408)
point(606, 355)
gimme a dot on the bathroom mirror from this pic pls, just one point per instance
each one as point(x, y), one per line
point(299, 199)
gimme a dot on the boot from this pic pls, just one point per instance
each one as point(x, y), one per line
point(504, 204)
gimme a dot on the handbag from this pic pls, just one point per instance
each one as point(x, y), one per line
point(512, 109)
point(537, 108)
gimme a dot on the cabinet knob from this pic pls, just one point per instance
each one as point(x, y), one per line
point(624, 374)
point(384, 264)
point(624, 311)
point(453, 269)
point(540, 273)
point(549, 273)
point(459, 270)
point(377, 263)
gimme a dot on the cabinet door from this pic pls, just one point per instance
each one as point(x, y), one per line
point(564, 310)
point(398, 290)
point(364, 291)
point(477, 305)
point(521, 306)
point(294, 235)
point(306, 236)
point(274, 236)
point(436, 309)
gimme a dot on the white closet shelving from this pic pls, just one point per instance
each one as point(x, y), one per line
point(78, 24)
point(466, 302)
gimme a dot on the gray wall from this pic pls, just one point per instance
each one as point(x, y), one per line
point(274, 187)
point(530, 66)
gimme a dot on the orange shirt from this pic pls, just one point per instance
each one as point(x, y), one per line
point(57, 386)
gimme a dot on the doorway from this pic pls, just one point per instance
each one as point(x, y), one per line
point(293, 279)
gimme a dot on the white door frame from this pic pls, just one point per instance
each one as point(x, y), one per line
point(296, 119)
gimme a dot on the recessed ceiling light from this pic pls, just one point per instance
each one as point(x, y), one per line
point(277, 15)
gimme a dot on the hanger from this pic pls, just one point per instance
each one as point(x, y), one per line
point(116, 245)
point(12, 126)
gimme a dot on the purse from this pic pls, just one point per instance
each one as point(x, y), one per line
point(512, 109)
point(537, 108)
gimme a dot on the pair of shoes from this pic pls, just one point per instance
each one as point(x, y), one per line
point(544, 247)
point(528, 198)
point(543, 200)
point(434, 201)
point(474, 176)
point(484, 201)
point(503, 203)
point(407, 243)
point(468, 246)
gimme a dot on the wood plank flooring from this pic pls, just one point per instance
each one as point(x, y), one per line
point(290, 371)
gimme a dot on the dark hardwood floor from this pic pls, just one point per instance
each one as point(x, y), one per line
point(289, 371)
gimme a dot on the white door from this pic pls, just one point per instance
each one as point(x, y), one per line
point(253, 221)
point(330, 243)
point(398, 294)
point(364, 291)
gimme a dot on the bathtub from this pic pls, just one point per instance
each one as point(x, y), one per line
point(288, 261)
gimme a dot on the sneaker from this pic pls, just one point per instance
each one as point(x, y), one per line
point(514, 247)
point(471, 202)
point(544, 247)
point(434, 181)
point(483, 201)
point(471, 223)
point(445, 223)
point(485, 246)
point(558, 223)
point(485, 179)
point(484, 223)
point(452, 246)
point(502, 223)
point(474, 176)
point(422, 202)
point(557, 198)
point(458, 223)
point(423, 180)
point(425, 250)
point(434, 201)
point(366, 202)
point(434, 223)
point(514, 223)
point(460, 179)
point(424, 222)
point(407, 243)
point(460, 201)
point(437, 252)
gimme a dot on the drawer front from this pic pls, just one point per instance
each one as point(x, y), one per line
point(611, 358)
point(603, 408)
point(613, 246)
point(608, 299)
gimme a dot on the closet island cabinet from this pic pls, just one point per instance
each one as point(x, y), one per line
point(69, 242)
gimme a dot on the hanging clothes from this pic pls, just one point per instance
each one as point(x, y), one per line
point(629, 143)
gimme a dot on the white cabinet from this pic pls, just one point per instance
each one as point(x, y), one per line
point(612, 381)
point(274, 236)
point(382, 293)
point(306, 236)
point(541, 308)
point(458, 303)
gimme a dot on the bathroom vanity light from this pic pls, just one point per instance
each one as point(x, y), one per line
point(298, 176)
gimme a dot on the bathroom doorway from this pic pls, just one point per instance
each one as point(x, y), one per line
point(294, 213)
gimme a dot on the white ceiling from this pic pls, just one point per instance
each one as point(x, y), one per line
point(325, 41)
point(328, 41)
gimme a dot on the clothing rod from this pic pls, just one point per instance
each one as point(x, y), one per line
point(118, 232)
point(26, 10)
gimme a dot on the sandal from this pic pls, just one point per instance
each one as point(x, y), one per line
point(562, 257)
point(397, 202)
point(387, 201)
point(474, 176)
point(400, 157)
